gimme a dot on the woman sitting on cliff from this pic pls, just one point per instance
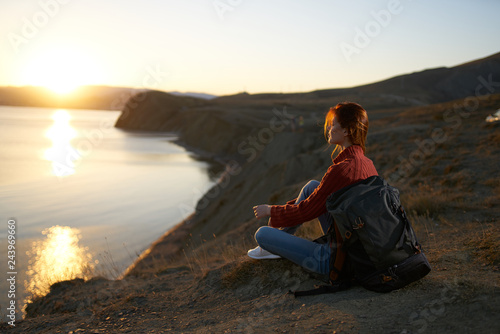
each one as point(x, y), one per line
point(346, 126)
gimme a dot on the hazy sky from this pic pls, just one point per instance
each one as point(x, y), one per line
point(228, 46)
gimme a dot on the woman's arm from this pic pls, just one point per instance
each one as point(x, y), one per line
point(318, 196)
point(336, 177)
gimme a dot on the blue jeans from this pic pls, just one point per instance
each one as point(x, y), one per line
point(310, 255)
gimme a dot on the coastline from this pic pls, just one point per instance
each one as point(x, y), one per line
point(171, 243)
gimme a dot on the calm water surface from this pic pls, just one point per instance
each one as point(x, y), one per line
point(86, 197)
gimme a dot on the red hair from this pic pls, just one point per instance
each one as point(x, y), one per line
point(352, 117)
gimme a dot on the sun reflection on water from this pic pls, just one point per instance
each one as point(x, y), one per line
point(62, 154)
point(56, 258)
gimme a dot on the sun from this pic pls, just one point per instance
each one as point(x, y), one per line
point(62, 70)
point(63, 87)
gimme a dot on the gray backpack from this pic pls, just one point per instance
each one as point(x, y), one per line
point(381, 246)
point(371, 240)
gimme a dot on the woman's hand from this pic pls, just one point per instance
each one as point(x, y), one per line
point(262, 211)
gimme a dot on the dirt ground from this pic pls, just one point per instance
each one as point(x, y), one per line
point(460, 295)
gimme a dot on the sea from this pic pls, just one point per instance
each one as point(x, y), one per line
point(81, 198)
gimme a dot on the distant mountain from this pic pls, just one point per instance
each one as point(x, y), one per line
point(198, 95)
point(85, 97)
point(419, 88)
point(433, 85)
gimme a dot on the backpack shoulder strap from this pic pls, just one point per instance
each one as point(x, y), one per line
point(336, 245)
point(321, 289)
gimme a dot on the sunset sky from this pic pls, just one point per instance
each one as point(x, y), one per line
point(229, 46)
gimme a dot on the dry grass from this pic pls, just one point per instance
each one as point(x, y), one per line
point(234, 250)
point(427, 229)
point(485, 245)
point(423, 201)
point(214, 253)
point(460, 180)
point(422, 224)
point(244, 271)
point(264, 276)
point(493, 200)
point(450, 168)
point(493, 137)
point(200, 260)
point(493, 182)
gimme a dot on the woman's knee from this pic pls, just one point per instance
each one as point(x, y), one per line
point(311, 185)
point(262, 234)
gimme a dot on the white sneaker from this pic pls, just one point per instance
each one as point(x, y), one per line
point(261, 254)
